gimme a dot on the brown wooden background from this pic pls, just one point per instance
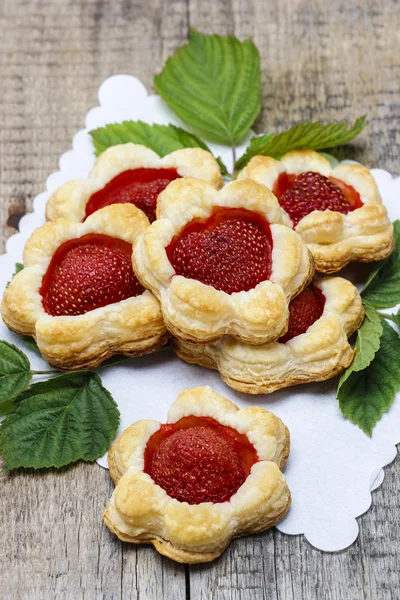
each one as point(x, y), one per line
point(321, 59)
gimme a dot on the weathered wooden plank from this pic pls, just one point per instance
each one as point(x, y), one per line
point(55, 544)
point(246, 571)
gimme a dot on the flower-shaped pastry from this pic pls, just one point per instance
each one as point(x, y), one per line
point(130, 173)
point(210, 474)
point(222, 262)
point(78, 295)
point(314, 348)
point(338, 212)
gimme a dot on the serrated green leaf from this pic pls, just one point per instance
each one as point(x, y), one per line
point(56, 422)
point(367, 343)
point(373, 280)
point(383, 285)
point(311, 135)
point(15, 373)
point(18, 267)
point(213, 83)
point(162, 139)
point(366, 395)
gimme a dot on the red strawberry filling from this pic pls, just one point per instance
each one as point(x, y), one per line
point(87, 273)
point(230, 251)
point(199, 460)
point(304, 310)
point(140, 187)
point(301, 194)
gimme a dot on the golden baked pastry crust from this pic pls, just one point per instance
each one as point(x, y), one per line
point(69, 201)
point(335, 239)
point(198, 312)
point(132, 327)
point(320, 353)
point(141, 512)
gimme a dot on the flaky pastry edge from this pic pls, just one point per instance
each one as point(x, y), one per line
point(320, 353)
point(141, 512)
point(335, 239)
point(69, 201)
point(131, 327)
point(197, 312)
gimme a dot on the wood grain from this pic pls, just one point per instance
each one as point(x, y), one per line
point(320, 60)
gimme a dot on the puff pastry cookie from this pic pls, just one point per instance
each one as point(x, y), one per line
point(222, 262)
point(78, 295)
point(338, 212)
point(210, 474)
point(130, 173)
point(315, 347)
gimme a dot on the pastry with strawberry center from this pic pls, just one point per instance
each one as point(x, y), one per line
point(315, 346)
point(198, 460)
point(301, 194)
point(304, 310)
point(130, 174)
point(191, 485)
point(78, 294)
point(87, 273)
point(140, 187)
point(337, 211)
point(222, 262)
point(231, 250)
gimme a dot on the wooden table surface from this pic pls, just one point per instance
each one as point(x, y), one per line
point(321, 59)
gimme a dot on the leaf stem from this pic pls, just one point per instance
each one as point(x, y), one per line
point(234, 156)
point(389, 317)
point(43, 372)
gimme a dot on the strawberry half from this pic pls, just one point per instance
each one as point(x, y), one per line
point(300, 195)
point(140, 187)
point(304, 310)
point(199, 460)
point(231, 251)
point(87, 273)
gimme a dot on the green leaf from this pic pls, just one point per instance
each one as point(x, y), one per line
point(312, 136)
point(383, 285)
point(367, 343)
point(18, 267)
point(366, 395)
point(30, 342)
point(56, 422)
point(333, 161)
point(213, 83)
point(15, 373)
point(162, 139)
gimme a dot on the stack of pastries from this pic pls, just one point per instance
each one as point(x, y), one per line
point(148, 248)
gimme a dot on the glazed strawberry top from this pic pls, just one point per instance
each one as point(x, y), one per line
point(230, 251)
point(140, 187)
point(199, 460)
point(304, 310)
point(301, 194)
point(87, 273)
